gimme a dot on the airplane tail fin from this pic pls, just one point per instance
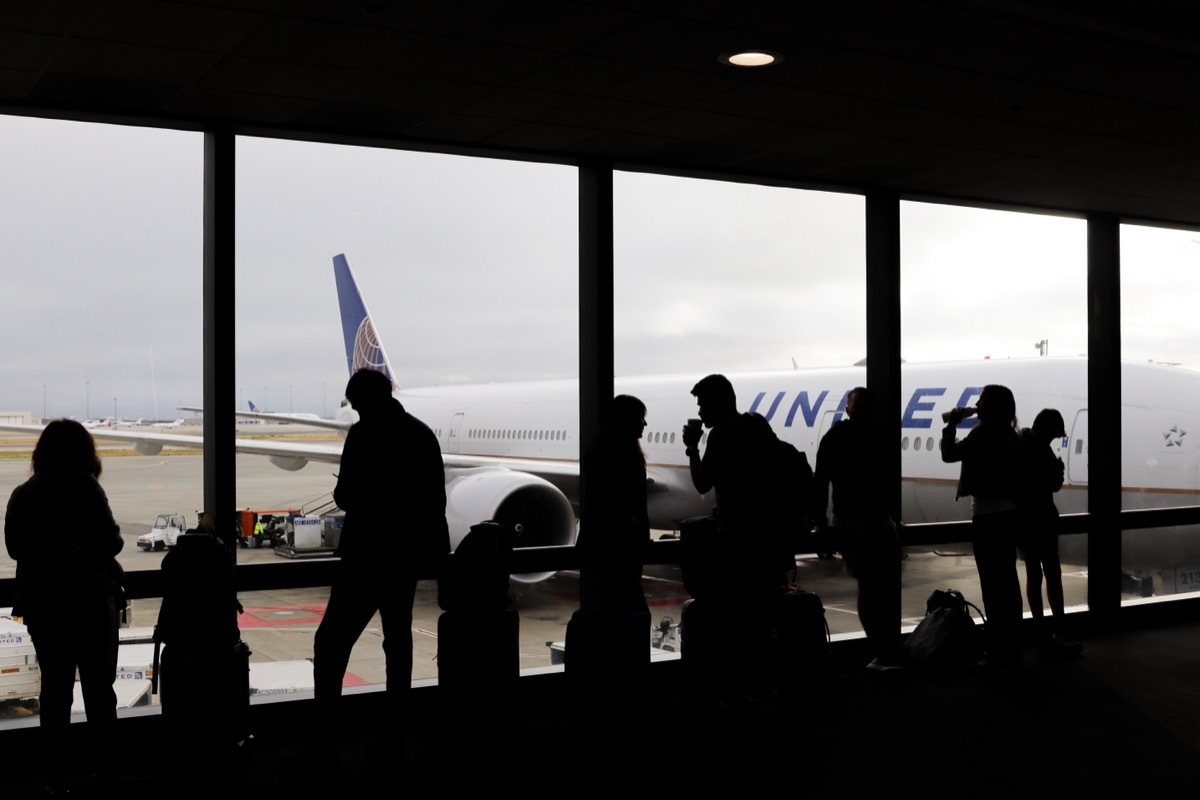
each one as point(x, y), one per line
point(251, 403)
point(363, 348)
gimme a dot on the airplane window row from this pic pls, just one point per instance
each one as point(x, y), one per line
point(663, 438)
point(553, 436)
point(918, 443)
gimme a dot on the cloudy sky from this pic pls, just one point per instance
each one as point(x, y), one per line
point(468, 268)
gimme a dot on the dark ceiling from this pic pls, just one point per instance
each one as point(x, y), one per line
point(1082, 107)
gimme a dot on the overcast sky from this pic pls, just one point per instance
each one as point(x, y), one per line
point(469, 269)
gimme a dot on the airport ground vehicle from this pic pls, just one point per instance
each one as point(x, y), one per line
point(265, 527)
point(165, 533)
point(20, 680)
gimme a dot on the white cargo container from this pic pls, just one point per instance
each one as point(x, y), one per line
point(20, 678)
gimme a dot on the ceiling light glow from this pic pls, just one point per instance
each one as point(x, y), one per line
point(751, 58)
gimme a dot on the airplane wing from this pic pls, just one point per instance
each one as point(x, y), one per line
point(149, 442)
point(312, 422)
point(152, 442)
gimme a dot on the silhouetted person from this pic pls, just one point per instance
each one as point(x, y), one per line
point(608, 653)
point(391, 484)
point(68, 592)
point(1041, 476)
point(854, 457)
point(990, 456)
point(614, 535)
point(738, 448)
point(753, 567)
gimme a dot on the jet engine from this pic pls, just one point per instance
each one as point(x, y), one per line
point(509, 498)
point(290, 463)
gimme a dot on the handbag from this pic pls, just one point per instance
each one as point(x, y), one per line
point(947, 638)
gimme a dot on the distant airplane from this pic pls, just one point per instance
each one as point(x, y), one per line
point(277, 416)
point(167, 425)
point(511, 450)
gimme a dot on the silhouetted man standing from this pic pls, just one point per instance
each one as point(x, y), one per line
point(751, 567)
point(739, 450)
point(854, 457)
point(391, 484)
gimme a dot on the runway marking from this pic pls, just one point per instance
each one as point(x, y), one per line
point(425, 632)
point(351, 679)
point(275, 616)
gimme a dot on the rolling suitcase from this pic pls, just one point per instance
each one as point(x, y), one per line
point(802, 654)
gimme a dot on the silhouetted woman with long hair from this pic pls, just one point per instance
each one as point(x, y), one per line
point(990, 456)
point(60, 531)
point(615, 532)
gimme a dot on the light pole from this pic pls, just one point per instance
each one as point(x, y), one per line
point(87, 394)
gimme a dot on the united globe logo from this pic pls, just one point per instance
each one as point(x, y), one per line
point(368, 354)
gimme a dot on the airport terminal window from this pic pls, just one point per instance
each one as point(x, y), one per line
point(725, 293)
point(464, 265)
point(102, 247)
point(103, 295)
point(740, 279)
point(1008, 280)
point(1160, 410)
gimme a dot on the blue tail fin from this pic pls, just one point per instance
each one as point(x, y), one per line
point(363, 349)
point(252, 408)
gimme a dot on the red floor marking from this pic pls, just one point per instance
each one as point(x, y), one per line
point(270, 616)
point(353, 680)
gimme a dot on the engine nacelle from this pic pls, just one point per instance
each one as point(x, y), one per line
point(290, 463)
point(510, 498)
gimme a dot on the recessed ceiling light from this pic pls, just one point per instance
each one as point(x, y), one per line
point(750, 58)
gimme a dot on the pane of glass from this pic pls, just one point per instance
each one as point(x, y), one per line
point(468, 268)
point(987, 297)
point(1160, 404)
point(1160, 561)
point(101, 238)
point(766, 285)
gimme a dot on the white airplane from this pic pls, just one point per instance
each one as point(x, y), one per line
point(256, 416)
point(511, 451)
point(277, 416)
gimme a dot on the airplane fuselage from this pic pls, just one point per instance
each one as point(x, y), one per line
point(539, 421)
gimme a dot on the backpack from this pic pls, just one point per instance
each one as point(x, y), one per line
point(200, 608)
point(793, 486)
point(947, 638)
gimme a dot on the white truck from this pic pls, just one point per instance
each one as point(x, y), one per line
point(165, 533)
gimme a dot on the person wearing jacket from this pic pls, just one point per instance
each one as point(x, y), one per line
point(68, 591)
point(990, 456)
